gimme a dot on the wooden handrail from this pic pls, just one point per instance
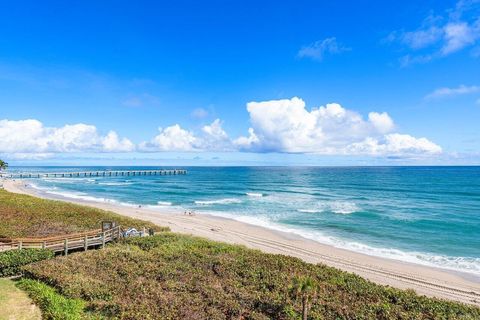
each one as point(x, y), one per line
point(72, 235)
point(65, 243)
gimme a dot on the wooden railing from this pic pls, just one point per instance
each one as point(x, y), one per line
point(85, 240)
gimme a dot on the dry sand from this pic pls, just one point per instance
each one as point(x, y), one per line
point(425, 280)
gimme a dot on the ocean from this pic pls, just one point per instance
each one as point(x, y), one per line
point(425, 215)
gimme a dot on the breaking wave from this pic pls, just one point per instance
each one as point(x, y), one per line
point(254, 194)
point(220, 201)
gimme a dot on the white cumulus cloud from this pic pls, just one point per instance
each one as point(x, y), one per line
point(381, 121)
point(174, 138)
point(394, 144)
point(276, 126)
point(31, 136)
point(287, 126)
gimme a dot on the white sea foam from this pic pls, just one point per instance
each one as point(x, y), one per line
point(310, 210)
point(125, 204)
point(79, 196)
point(68, 180)
point(220, 201)
point(35, 186)
point(164, 203)
point(254, 194)
point(343, 207)
point(114, 183)
point(339, 207)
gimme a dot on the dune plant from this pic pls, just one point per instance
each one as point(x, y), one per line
point(305, 289)
point(3, 165)
point(27, 216)
point(173, 276)
point(11, 261)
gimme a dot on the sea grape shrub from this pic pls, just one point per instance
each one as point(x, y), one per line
point(11, 261)
point(172, 276)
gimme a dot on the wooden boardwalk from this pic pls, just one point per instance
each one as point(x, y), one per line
point(66, 243)
point(113, 173)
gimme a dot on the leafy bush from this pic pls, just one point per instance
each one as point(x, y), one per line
point(11, 261)
point(172, 276)
point(27, 216)
point(54, 306)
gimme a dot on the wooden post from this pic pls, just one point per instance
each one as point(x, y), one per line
point(103, 239)
point(65, 247)
point(20, 244)
point(44, 244)
point(85, 245)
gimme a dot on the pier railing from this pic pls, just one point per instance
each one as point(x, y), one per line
point(66, 243)
point(113, 173)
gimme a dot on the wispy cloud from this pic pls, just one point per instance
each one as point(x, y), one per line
point(429, 33)
point(319, 49)
point(141, 100)
point(441, 35)
point(199, 113)
point(448, 92)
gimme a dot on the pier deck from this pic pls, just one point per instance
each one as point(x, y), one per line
point(112, 173)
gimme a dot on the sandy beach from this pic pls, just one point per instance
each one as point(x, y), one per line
point(424, 280)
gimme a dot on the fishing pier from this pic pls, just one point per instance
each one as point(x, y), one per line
point(106, 173)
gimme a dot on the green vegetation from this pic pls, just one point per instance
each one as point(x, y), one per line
point(27, 216)
point(171, 276)
point(15, 304)
point(54, 306)
point(3, 165)
point(11, 261)
point(304, 288)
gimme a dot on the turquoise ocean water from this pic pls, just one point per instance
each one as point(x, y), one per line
point(426, 215)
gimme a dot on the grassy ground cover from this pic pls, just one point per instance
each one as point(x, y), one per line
point(11, 261)
point(54, 305)
point(15, 304)
point(171, 276)
point(27, 216)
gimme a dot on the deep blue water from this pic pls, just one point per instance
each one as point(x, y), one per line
point(428, 215)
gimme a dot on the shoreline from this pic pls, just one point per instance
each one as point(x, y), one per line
point(426, 280)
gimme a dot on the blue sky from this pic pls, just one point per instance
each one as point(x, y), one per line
point(93, 81)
